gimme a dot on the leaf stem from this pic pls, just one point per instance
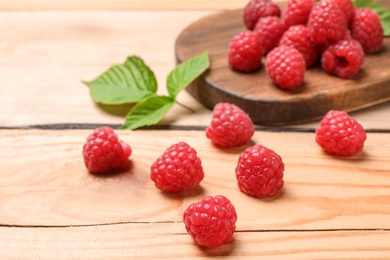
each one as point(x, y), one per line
point(186, 107)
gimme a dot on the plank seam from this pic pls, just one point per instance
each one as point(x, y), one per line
point(176, 222)
point(88, 225)
point(81, 126)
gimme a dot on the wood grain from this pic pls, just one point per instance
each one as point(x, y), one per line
point(52, 208)
point(255, 92)
point(52, 187)
point(169, 241)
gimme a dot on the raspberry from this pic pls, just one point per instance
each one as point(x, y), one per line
point(286, 67)
point(256, 9)
point(297, 36)
point(177, 169)
point(245, 52)
point(340, 134)
point(211, 222)
point(259, 172)
point(297, 12)
point(103, 151)
point(326, 22)
point(343, 58)
point(269, 29)
point(230, 126)
point(367, 29)
point(346, 6)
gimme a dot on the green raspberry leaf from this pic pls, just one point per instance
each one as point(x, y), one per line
point(384, 13)
point(148, 112)
point(130, 82)
point(186, 72)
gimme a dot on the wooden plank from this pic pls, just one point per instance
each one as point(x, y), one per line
point(44, 182)
point(42, 67)
point(119, 5)
point(169, 241)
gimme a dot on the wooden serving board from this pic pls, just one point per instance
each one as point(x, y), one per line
point(258, 96)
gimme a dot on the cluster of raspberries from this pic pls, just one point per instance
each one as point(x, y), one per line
point(334, 33)
point(211, 222)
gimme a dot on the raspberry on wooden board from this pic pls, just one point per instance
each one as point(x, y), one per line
point(326, 22)
point(297, 12)
point(269, 29)
point(367, 29)
point(346, 6)
point(343, 58)
point(256, 9)
point(104, 151)
point(245, 52)
point(297, 36)
point(286, 67)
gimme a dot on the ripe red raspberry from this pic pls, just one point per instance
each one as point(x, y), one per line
point(211, 222)
point(367, 29)
point(326, 22)
point(177, 169)
point(297, 12)
point(343, 58)
point(346, 6)
point(256, 9)
point(286, 67)
point(269, 29)
point(245, 52)
point(230, 126)
point(103, 151)
point(297, 36)
point(259, 172)
point(340, 134)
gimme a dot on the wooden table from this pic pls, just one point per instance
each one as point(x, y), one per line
point(52, 208)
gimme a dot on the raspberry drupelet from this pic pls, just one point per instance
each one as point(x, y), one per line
point(211, 222)
point(104, 151)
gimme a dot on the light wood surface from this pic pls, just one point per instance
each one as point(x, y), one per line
point(325, 198)
point(168, 241)
point(52, 208)
point(119, 5)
